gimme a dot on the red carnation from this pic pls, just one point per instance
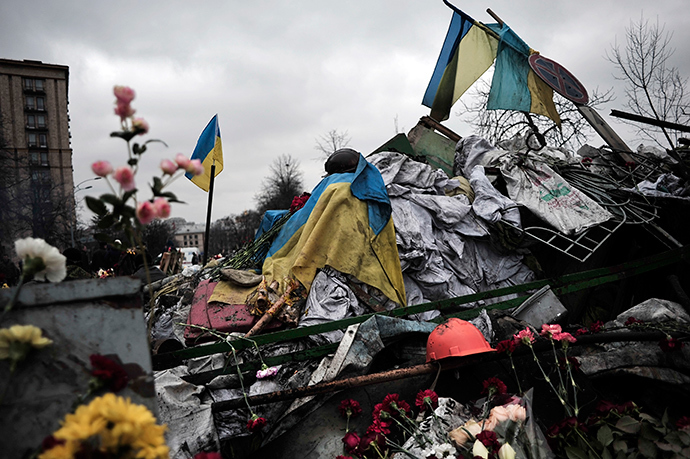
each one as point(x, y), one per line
point(349, 408)
point(393, 405)
point(508, 346)
point(683, 423)
point(595, 327)
point(299, 201)
point(425, 399)
point(256, 423)
point(208, 456)
point(109, 372)
point(493, 386)
point(489, 439)
point(379, 426)
point(372, 437)
point(351, 441)
point(343, 457)
point(671, 344)
point(633, 321)
point(581, 331)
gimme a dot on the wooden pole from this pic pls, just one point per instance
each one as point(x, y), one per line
point(208, 212)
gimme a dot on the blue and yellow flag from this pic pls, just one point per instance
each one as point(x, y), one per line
point(208, 150)
point(468, 51)
point(515, 86)
point(345, 224)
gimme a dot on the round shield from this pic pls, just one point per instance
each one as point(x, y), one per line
point(559, 78)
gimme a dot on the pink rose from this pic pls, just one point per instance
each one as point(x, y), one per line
point(516, 412)
point(182, 161)
point(124, 94)
point(102, 168)
point(125, 177)
point(499, 414)
point(161, 207)
point(140, 126)
point(195, 167)
point(168, 167)
point(124, 110)
point(145, 212)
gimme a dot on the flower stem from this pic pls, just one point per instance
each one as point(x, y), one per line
point(548, 380)
point(560, 376)
point(15, 294)
point(239, 373)
point(512, 365)
point(7, 383)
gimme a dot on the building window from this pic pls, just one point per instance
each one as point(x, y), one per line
point(31, 84)
point(30, 102)
point(31, 121)
point(40, 103)
point(40, 176)
point(42, 141)
point(39, 158)
point(40, 121)
point(32, 139)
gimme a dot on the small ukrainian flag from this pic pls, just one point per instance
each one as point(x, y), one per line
point(209, 150)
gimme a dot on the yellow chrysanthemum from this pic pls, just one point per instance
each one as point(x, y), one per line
point(114, 424)
point(17, 341)
point(65, 451)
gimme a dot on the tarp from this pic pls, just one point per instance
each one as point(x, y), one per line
point(345, 224)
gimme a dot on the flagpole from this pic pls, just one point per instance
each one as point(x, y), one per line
point(208, 212)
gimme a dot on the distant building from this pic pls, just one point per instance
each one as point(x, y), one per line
point(36, 182)
point(190, 235)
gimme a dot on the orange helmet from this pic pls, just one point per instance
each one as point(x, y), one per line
point(455, 338)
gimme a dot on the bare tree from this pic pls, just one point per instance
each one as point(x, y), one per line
point(654, 88)
point(232, 232)
point(284, 183)
point(334, 140)
point(498, 125)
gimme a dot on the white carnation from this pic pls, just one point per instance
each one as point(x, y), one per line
point(54, 270)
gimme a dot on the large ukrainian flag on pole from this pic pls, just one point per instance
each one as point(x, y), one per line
point(208, 150)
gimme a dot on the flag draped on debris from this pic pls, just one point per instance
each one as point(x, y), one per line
point(468, 51)
point(208, 150)
point(345, 224)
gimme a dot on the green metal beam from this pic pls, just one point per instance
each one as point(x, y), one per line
point(561, 285)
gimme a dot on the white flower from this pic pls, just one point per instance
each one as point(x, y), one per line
point(444, 450)
point(427, 452)
point(506, 452)
point(52, 265)
point(478, 449)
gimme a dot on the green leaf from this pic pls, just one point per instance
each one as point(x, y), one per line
point(649, 418)
point(684, 437)
point(604, 435)
point(106, 221)
point(650, 432)
point(647, 448)
point(575, 453)
point(171, 197)
point(664, 418)
point(664, 446)
point(157, 186)
point(606, 454)
point(620, 446)
point(132, 161)
point(628, 425)
point(128, 194)
point(127, 135)
point(111, 199)
point(96, 206)
point(138, 149)
point(128, 211)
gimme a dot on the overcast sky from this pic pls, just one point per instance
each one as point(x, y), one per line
point(279, 74)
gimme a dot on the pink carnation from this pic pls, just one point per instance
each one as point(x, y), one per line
point(182, 161)
point(161, 207)
point(125, 177)
point(140, 126)
point(549, 330)
point(124, 110)
point(524, 336)
point(145, 212)
point(566, 337)
point(168, 167)
point(102, 168)
point(124, 94)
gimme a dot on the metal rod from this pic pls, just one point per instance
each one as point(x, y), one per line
point(208, 212)
point(426, 368)
point(495, 16)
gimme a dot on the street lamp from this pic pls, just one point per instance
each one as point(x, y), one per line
point(77, 190)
